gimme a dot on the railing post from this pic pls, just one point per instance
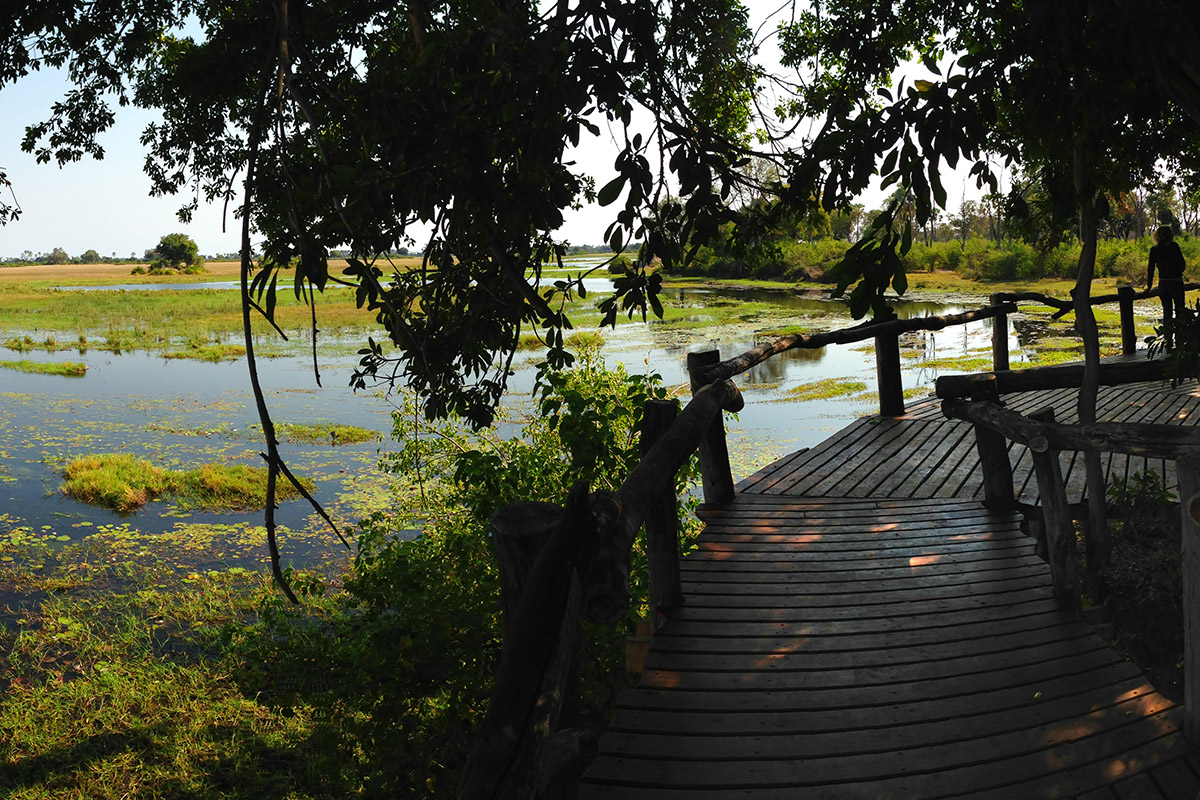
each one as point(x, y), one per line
point(999, 337)
point(1188, 471)
point(519, 532)
point(887, 368)
point(993, 450)
point(714, 452)
point(1125, 301)
point(1056, 516)
point(662, 522)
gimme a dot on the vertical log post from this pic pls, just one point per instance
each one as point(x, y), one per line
point(662, 522)
point(1125, 301)
point(537, 661)
point(1188, 470)
point(714, 453)
point(993, 450)
point(1056, 520)
point(519, 532)
point(887, 368)
point(999, 337)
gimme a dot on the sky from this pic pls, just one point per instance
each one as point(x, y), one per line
point(105, 205)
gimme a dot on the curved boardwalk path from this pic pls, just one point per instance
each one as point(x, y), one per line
point(857, 625)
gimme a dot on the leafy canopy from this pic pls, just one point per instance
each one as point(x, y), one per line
point(1037, 83)
point(366, 123)
point(177, 249)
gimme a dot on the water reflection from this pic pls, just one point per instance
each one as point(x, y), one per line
point(134, 401)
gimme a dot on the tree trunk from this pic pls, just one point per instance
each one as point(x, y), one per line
point(1097, 538)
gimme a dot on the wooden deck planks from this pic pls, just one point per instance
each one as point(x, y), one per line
point(875, 648)
point(858, 626)
point(921, 455)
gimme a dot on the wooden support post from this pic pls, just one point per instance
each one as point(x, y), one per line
point(999, 337)
point(887, 368)
point(662, 522)
point(537, 660)
point(1125, 301)
point(993, 451)
point(1056, 520)
point(519, 531)
point(714, 452)
point(1188, 471)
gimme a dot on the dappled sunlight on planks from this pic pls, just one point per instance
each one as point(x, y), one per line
point(840, 649)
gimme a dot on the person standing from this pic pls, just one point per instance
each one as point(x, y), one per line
point(1168, 258)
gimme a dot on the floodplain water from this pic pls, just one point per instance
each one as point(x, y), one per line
point(182, 413)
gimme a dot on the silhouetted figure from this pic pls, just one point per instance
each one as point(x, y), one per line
point(1167, 256)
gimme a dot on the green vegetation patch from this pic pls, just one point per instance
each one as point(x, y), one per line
point(827, 389)
point(25, 344)
point(131, 693)
point(210, 352)
point(963, 363)
point(69, 369)
point(786, 330)
point(323, 433)
point(123, 482)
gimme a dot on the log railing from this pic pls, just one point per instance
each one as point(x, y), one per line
point(976, 400)
point(706, 368)
point(1124, 297)
point(561, 565)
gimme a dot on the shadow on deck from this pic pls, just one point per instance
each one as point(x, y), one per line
point(858, 625)
point(922, 454)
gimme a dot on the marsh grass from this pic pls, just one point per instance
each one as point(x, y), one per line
point(125, 483)
point(827, 389)
point(324, 433)
point(119, 683)
point(157, 320)
point(68, 369)
point(212, 353)
point(961, 363)
point(786, 330)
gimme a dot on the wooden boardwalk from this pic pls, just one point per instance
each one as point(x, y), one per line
point(922, 454)
point(858, 625)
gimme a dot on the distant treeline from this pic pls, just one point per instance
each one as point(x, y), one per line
point(978, 259)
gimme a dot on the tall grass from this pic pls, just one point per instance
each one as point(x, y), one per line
point(125, 483)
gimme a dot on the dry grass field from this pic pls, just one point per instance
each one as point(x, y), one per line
point(121, 273)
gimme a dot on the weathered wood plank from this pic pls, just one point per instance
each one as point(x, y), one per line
point(1176, 781)
point(842, 744)
point(886, 646)
point(706, 596)
point(1116, 679)
point(954, 769)
point(1137, 787)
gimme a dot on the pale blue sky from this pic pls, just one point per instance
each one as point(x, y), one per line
point(102, 205)
point(105, 205)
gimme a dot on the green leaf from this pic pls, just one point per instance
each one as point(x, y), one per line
point(889, 162)
point(611, 191)
point(655, 305)
point(271, 295)
point(617, 240)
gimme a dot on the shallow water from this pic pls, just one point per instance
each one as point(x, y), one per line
point(144, 404)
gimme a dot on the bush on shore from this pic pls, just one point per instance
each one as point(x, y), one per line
point(979, 259)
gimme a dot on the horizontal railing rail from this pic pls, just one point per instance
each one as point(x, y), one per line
point(1045, 438)
point(559, 565)
point(886, 334)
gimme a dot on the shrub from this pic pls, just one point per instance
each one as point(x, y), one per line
point(403, 659)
